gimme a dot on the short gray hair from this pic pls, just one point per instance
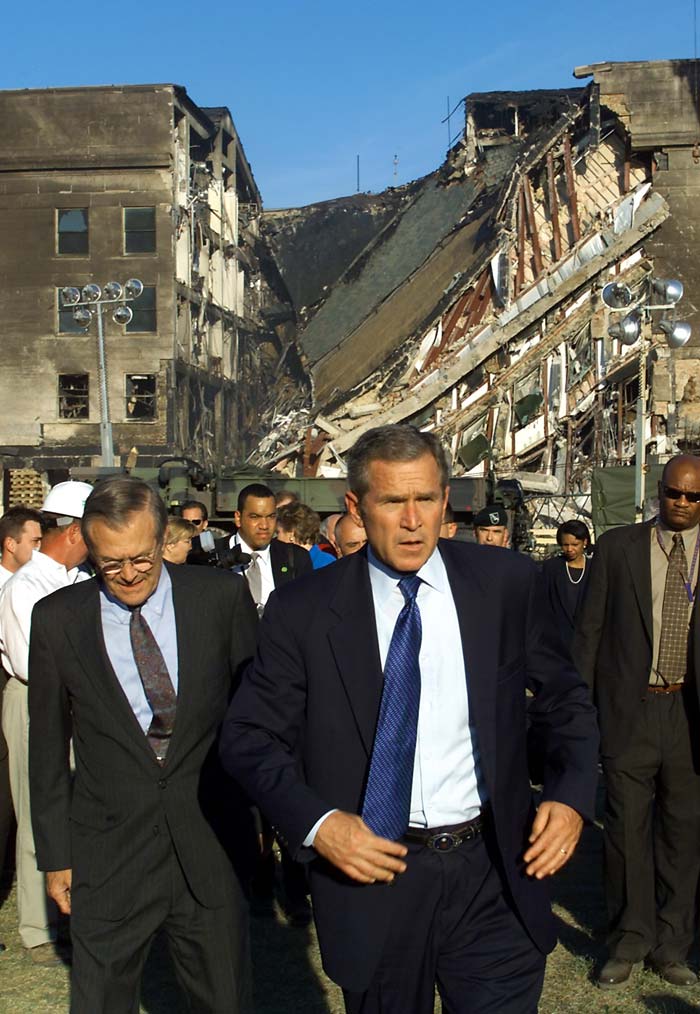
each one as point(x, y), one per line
point(116, 498)
point(392, 443)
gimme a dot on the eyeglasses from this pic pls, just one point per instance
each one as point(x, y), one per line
point(196, 521)
point(142, 564)
point(671, 493)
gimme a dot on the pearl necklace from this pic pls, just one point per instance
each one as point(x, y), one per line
point(583, 571)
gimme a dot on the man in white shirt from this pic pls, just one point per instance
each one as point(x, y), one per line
point(20, 535)
point(54, 566)
point(381, 730)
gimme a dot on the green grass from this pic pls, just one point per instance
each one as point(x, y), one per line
point(289, 979)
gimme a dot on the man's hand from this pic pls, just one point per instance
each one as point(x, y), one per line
point(556, 830)
point(58, 888)
point(345, 841)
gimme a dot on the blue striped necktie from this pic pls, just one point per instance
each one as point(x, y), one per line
point(387, 800)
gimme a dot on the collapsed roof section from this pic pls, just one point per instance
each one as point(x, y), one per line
point(476, 313)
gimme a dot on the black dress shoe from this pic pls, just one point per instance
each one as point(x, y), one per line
point(614, 972)
point(677, 973)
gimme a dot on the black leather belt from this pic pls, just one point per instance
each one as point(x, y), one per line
point(445, 839)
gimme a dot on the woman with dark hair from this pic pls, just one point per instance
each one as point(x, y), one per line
point(566, 576)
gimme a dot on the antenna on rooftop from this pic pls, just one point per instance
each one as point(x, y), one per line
point(396, 166)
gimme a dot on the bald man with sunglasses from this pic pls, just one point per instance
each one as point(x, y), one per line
point(637, 645)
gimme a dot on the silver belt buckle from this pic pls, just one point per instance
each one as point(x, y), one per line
point(445, 842)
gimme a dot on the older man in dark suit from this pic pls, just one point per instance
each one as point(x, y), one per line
point(137, 667)
point(382, 729)
point(637, 644)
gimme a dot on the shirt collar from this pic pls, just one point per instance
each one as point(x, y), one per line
point(264, 553)
point(385, 579)
point(156, 602)
point(689, 535)
point(48, 564)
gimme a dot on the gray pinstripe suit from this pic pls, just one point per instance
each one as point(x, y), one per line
point(149, 846)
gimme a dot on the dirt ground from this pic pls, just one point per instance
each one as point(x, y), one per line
point(289, 980)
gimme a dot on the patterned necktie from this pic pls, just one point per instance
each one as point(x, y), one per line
point(157, 684)
point(673, 643)
point(387, 800)
point(254, 578)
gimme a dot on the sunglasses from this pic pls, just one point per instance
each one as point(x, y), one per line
point(198, 522)
point(671, 493)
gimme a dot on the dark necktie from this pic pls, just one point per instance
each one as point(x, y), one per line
point(387, 800)
point(157, 684)
point(673, 642)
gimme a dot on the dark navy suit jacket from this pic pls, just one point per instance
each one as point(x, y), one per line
point(300, 730)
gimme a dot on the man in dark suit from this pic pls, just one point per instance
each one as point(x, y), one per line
point(632, 645)
point(385, 755)
point(137, 668)
point(272, 564)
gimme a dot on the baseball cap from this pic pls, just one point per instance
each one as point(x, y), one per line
point(67, 499)
point(490, 516)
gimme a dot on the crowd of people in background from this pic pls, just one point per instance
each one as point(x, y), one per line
point(115, 690)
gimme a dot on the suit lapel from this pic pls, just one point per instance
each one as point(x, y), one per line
point(638, 556)
point(87, 640)
point(480, 639)
point(187, 636)
point(353, 641)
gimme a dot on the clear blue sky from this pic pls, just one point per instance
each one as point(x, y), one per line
point(313, 84)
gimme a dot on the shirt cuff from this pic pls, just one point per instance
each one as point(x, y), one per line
point(309, 840)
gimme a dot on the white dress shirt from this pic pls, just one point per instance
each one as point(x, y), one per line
point(159, 613)
point(34, 581)
point(264, 561)
point(447, 785)
point(446, 776)
point(5, 575)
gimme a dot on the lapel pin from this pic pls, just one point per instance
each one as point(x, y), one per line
point(284, 570)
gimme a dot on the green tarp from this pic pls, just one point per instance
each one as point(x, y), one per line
point(612, 495)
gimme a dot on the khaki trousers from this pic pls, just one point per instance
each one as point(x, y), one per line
point(37, 913)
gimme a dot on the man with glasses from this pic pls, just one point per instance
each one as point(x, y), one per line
point(137, 666)
point(54, 566)
point(637, 646)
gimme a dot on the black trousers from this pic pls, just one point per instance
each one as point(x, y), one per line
point(210, 948)
point(453, 926)
point(652, 834)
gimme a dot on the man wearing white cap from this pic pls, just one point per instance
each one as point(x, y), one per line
point(54, 566)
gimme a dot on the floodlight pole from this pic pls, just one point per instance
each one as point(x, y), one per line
point(106, 438)
point(641, 452)
point(668, 289)
point(123, 295)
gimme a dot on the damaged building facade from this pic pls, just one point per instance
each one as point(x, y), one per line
point(474, 307)
point(113, 183)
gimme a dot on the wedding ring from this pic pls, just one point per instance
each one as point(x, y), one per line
point(563, 851)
